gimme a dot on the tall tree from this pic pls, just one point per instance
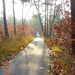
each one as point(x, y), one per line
point(14, 18)
point(73, 24)
point(45, 19)
point(54, 16)
point(22, 10)
point(37, 8)
point(23, 1)
point(5, 22)
point(47, 4)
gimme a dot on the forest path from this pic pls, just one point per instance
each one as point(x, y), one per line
point(30, 61)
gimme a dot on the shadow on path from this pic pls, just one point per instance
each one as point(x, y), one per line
point(31, 61)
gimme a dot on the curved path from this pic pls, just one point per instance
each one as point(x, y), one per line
point(31, 61)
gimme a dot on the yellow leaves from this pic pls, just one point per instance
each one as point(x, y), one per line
point(13, 45)
point(56, 49)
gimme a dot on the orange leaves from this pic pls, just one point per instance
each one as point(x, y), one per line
point(56, 41)
point(50, 43)
point(73, 59)
point(25, 28)
point(74, 73)
point(56, 69)
point(62, 64)
point(73, 39)
point(63, 33)
point(71, 28)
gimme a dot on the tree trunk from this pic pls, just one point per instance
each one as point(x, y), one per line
point(22, 11)
point(45, 20)
point(5, 22)
point(39, 14)
point(22, 16)
point(54, 16)
point(14, 19)
point(73, 24)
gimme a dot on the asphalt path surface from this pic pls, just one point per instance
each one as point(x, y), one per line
point(30, 61)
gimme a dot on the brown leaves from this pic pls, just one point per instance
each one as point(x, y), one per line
point(63, 33)
point(73, 39)
point(50, 43)
point(62, 64)
point(71, 28)
point(73, 59)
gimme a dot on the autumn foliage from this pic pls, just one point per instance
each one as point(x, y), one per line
point(15, 43)
point(61, 58)
point(20, 29)
point(62, 34)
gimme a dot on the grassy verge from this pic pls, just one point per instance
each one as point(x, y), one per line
point(60, 62)
point(10, 47)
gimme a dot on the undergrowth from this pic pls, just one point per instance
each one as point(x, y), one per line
point(12, 46)
point(60, 62)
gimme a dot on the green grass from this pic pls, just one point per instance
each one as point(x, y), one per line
point(57, 49)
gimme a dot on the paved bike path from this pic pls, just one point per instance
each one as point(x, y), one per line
point(31, 61)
